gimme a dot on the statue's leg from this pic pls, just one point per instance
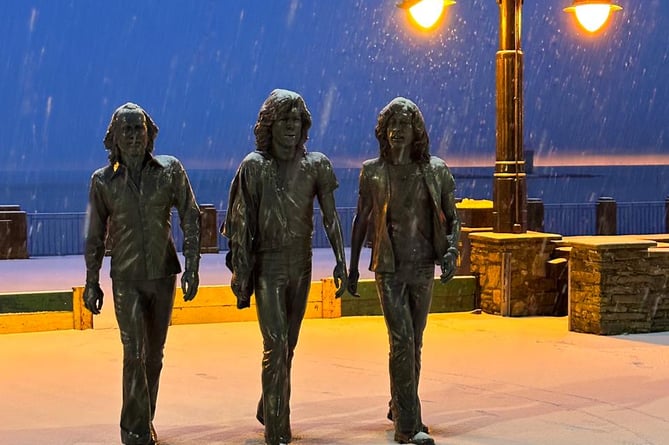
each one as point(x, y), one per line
point(270, 292)
point(296, 304)
point(420, 299)
point(394, 296)
point(130, 308)
point(157, 321)
point(296, 301)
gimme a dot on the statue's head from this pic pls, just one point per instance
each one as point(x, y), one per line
point(420, 150)
point(131, 130)
point(279, 105)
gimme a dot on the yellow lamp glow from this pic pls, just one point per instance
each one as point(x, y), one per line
point(425, 13)
point(592, 14)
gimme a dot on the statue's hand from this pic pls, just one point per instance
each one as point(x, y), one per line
point(448, 264)
point(189, 284)
point(93, 297)
point(353, 277)
point(340, 279)
point(241, 291)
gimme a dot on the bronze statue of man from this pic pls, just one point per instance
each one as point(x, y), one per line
point(130, 203)
point(406, 209)
point(269, 225)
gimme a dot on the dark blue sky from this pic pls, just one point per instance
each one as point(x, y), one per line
point(202, 69)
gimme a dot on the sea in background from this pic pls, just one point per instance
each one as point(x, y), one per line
point(45, 191)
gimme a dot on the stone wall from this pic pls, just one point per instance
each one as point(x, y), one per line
point(618, 284)
point(512, 272)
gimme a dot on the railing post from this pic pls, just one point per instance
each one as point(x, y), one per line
point(208, 229)
point(607, 222)
point(666, 214)
point(13, 233)
point(535, 214)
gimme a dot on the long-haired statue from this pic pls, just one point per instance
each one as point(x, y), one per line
point(129, 212)
point(269, 225)
point(406, 209)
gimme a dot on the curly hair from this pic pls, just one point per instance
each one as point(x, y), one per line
point(278, 102)
point(110, 143)
point(420, 151)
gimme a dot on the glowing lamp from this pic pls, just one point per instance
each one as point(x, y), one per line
point(425, 13)
point(592, 14)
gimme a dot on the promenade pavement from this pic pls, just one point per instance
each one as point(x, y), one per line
point(485, 379)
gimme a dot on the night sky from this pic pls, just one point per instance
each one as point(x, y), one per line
point(203, 68)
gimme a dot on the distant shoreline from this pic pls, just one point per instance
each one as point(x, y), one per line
point(551, 160)
point(53, 190)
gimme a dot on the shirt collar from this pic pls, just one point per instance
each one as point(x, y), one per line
point(151, 160)
point(302, 153)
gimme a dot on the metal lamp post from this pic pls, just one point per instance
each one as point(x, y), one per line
point(509, 179)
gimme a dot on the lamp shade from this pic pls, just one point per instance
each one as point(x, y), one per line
point(425, 13)
point(592, 14)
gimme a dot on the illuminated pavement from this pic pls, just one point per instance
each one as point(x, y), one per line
point(485, 379)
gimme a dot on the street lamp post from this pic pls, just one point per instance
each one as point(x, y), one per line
point(509, 178)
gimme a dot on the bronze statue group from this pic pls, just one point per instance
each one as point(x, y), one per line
point(405, 213)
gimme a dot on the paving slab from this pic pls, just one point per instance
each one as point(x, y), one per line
point(485, 379)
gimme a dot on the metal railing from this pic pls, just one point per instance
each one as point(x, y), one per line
point(63, 233)
point(52, 234)
point(641, 218)
point(570, 219)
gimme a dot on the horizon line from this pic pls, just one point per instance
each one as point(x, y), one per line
point(552, 160)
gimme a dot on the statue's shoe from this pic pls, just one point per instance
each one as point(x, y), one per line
point(420, 438)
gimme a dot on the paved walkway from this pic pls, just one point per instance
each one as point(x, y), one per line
point(485, 379)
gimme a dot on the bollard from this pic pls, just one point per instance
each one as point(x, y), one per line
point(13, 233)
point(208, 229)
point(607, 222)
point(535, 215)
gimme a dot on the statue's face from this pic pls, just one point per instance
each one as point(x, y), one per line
point(286, 133)
point(400, 130)
point(131, 134)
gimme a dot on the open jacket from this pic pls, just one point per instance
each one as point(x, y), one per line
point(374, 186)
point(259, 217)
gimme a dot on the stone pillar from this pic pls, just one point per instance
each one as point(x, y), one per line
point(512, 272)
point(464, 247)
point(615, 284)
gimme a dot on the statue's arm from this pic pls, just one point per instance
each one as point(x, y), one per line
point(189, 220)
point(451, 213)
point(448, 262)
point(97, 216)
point(239, 227)
point(333, 231)
point(446, 183)
point(96, 231)
point(358, 233)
